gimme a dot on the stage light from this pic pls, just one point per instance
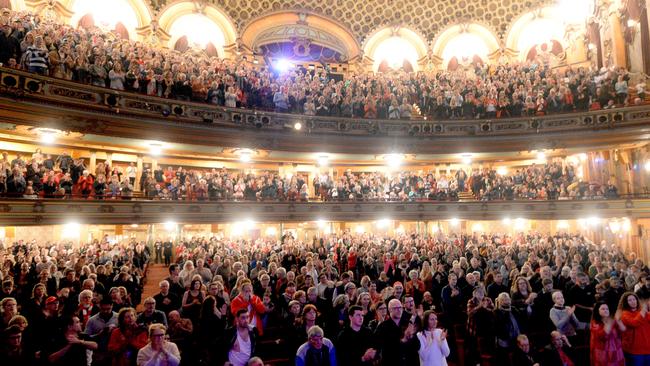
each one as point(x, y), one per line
point(283, 65)
point(383, 223)
point(394, 160)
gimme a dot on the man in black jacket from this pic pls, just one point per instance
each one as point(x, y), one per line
point(353, 347)
point(388, 334)
point(558, 352)
point(240, 339)
point(522, 355)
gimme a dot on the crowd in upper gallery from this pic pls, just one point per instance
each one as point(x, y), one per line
point(340, 299)
point(47, 176)
point(102, 59)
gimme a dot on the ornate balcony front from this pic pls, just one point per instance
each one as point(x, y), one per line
point(23, 212)
point(46, 102)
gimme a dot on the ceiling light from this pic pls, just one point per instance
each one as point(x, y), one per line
point(454, 221)
point(541, 156)
point(271, 231)
point(297, 126)
point(323, 160)
point(383, 223)
point(582, 156)
point(155, 148)
point(170, 226)
point(48, 137)
point(502, 170)
point(647, 166)
point(245, 156)
point(467, 159)
point(321, 223)
point(393, 160)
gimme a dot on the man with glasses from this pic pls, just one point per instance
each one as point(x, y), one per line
point(388, 334)
point(159, 351)
point(317, 351)
point(150, 315)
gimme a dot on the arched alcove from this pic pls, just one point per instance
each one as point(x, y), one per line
point(132, 14)
point(464, 44)
point(393, 46)
point(300, 29)
point(176, 20)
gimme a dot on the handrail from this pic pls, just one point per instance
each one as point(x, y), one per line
point(23, 85)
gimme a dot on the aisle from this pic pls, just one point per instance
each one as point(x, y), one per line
point(155, 274)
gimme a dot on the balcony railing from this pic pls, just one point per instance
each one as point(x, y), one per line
point(57, 211)
point(21, 85)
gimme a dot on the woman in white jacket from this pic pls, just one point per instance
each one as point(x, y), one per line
point(434, 348)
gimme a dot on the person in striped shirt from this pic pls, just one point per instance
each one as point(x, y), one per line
point(37, 57)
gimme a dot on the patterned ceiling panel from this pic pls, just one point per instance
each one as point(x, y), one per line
point(362, 17)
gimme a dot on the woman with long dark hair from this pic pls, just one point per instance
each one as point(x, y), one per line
point(605, 345)
point(127, 339)
point(636, 336)
point(192, 300)
point(434, 348)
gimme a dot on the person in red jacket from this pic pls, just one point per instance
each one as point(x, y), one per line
point(636, 337)
point(247, 300)
point(85, 184)
point(127, 339)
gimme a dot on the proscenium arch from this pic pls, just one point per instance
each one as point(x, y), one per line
point(376, 38)
point(170, 13)
point(260, 24)
point(486, 35)
point(519, 25)
point(140, 8)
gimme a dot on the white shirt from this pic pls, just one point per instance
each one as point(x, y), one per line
point(432, 351)
point(148, 357)
point(239, 356)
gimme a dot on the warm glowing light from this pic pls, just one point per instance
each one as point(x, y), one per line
point(2, 233)
point(383, 223)
point(395, 51)
point(454, 221)
point(506, 221)
point(563, 225)
point(106, 13)
point(71, 230)
point(323, 160)
point(614, 226)
point(582, 156)
point(134, 226)
point(541, 156)
point(632, 23)
point(477, 228)
point(359, 229)
point(155, 149)
point(591, 46)
point(467, 159)
point(464, 46)
point(199, 30)
point(245, 156)
point(593, 221)
point(400, 230)
point(321, 223)
point(582, 223)
point(647, 166)
point(297, 126)
point(170, 226)
point(48, 137)
point(283, 65)
point(271, 231)
point(502, 170)
point(520, 224)
point(394, 160)
point(435, 229)
point(540, 31)
point(575, 11)
point(627, 226)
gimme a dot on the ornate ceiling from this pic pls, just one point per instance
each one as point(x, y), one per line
point(428, 17)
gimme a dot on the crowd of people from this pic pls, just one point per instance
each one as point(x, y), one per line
point(339, 299)
point(61, 176)
point(92, 56)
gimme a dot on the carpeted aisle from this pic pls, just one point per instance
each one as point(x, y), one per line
point(155, 274)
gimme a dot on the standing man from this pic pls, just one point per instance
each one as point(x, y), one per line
point(99, 328)
point(353, 345)
point(389, 333)
point(167, 251)
point(158, 247)
point(240, 340)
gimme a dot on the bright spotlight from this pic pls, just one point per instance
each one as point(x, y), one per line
point(582, 156)
point(359, 229)
point(271, 231)
point(321, 223)
point(477, 228)
point(400, 230)
point(541, 156)
point(297, 126)
point(48, 138)
point(520, 224)
point(593, 221)
point(454, 221)
point(467, 159)
point(394, 160)
point(614, 226)
point(323, 160)
point(170, 226)
point(627, 225)
point(383, 223)
point(435, 229)
point(562, 225)
point(506, 221)
point(647, 166)
point(155, 149)
point(245, 157)
point(502, 170)
point(71, 230)
point(135, 226)
point(282, 65)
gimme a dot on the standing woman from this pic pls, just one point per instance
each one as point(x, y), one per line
point(127, 339)
point(434, 348)
point(605, 345)
point(636, 337)
point(192, 300)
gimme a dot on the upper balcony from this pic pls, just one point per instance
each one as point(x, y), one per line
point(31, 99)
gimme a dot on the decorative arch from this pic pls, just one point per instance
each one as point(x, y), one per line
point(178, 9)
point(534, 29)
point(140, 8)
point(288, 25)
point(465, 43)
point(377, 38)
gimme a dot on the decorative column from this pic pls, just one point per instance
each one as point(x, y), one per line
point(138, 174)
point(93, 162)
